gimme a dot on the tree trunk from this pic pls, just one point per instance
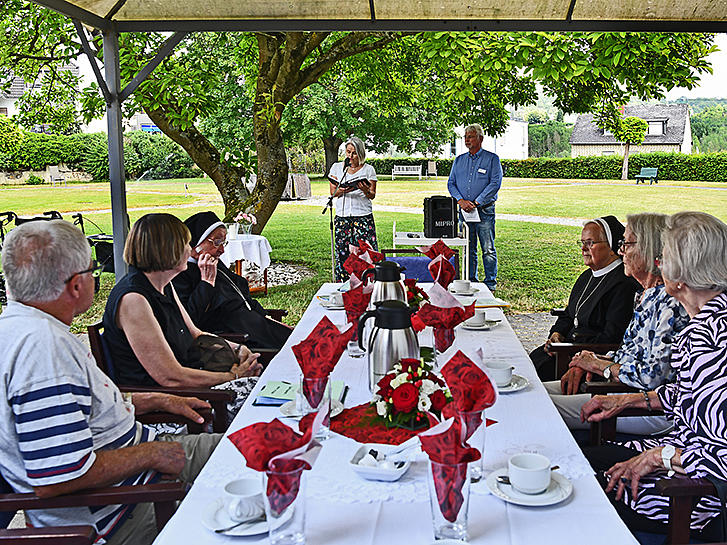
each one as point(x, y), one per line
point(625, 168)
point(330, 146)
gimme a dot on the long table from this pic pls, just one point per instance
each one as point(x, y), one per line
point(343, 509)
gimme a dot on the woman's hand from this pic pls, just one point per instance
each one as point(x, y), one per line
point(602, 407)
point(632, 470)
point(571, 380)
point(554, 338)
point(588, 361)
point(248, 365)
point(368, 189)
point(207, 268)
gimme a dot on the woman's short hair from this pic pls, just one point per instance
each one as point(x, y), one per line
point(39, 256)
point(647, 229)
point(358, 145)
point(156, 242)
point(695, 251)
point(475, 128)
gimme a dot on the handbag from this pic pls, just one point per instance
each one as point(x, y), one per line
point(213, 353)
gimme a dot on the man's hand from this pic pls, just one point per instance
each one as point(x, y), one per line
point(602, 407)
point(632, 470)
point(248, 365)
point(571, 380)
point(466, 205)
point(186, 407)
point(207, 268)
point(167, 458)
point(554, 338)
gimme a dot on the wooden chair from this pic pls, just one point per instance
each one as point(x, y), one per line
point(564, 352)
point(53, 535)
point(683, 494)
point(217, 398)
point(416, 263)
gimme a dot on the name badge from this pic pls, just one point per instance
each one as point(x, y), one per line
point(482, 170)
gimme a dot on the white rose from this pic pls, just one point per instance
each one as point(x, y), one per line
point(381, 408)
point(424, 403)
point(398, 380)
point(428, 387)
point(376, 398)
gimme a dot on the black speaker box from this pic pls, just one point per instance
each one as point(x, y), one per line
point(440, 217)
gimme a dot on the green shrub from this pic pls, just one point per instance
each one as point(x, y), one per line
point(34, 180)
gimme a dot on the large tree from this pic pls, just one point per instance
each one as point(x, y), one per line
point(482, 73)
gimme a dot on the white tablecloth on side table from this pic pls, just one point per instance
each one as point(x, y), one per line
point(255, 248)
point(343, 509)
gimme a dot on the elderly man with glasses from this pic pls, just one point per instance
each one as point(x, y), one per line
point(217, 299)
point(65, 425)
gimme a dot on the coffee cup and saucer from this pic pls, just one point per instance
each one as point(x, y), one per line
point(528, 480)
point(502, 373)
point(332, 301)
point(462, 287)
point(240, 512)
point(479, 321)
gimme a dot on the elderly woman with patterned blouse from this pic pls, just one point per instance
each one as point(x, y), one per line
point(644, 359)
point(694, 267)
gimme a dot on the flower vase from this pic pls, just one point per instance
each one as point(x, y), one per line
point(246, 228)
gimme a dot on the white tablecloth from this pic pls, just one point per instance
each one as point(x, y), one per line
point(343, 509)
point(255, 248)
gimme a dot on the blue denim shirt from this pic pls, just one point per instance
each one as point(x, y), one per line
point(475, 178)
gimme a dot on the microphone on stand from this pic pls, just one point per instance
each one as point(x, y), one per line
point(347, 163)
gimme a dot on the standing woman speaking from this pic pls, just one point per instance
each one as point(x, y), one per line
point(354, 190)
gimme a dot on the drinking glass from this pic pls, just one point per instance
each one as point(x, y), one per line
point(352, 348)
point(284, 498)
point(475, 424)
point(449, 496)
point(314, 395)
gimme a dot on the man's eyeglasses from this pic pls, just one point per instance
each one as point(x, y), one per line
point(95, 271)
point(623, 244)
point(218, 242)
point(589, 243)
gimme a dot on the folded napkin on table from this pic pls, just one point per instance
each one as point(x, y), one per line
point(437, 249)
point(318, 354)
point(364, 248)
point(472, 390)
point(442, 271)
point(356, 265)
point(445, 444)
point(443, 312)
point(356, 299)
point(274, 447)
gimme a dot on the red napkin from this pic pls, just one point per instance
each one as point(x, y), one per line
point(436, 249)
point(275, 448)
point(356, 265)
point(442, 271)
point(318, 354)
point(364, 248)
point(356, 300)
point(443, 313)
point(445, 445)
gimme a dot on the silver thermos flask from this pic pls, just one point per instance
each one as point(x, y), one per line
point(392, 338)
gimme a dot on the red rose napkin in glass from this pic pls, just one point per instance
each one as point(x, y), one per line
point(445, 444)
point(318, 354)
point(437, 249)
point(366, 248)
point(356, 299)
point(442, 271)
point(274, 447)
point(443, 313)
point(356, 265)
point(472, 390)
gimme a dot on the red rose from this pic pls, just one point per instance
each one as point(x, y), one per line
point(409, 365)
point(405, 397)
point(384, 383)
point(410, 283)
point(438, 399)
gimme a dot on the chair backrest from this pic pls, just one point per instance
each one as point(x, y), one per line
point(100, 350)
point(416, 265)
point(5, 516)
point(432, 167)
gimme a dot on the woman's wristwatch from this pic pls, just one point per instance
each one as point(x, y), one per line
point(607, 371)
point(667, 453)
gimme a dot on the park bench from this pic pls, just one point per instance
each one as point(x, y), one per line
point(406, 170)
point(647, 174)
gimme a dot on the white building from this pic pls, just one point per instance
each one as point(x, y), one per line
point(512, 144)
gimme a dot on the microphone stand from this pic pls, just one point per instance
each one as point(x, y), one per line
point(329, 206)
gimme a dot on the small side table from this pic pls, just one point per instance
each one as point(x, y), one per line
point(254, 248)
point(406, 238)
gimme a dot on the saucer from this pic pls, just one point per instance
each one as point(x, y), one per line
point(517, 383)
point(484, 327)
point(289, 408)
point(326, 303)
point(558, 490)
point(470, 291)
point(215, 516)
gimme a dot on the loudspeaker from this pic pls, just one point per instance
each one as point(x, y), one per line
point(440, 217)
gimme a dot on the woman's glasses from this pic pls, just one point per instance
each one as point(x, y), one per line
point(217, 242)
point(623, 244)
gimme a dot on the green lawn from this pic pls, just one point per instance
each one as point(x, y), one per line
point(538, 262)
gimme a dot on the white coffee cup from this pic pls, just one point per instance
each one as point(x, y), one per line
point(500, 371)
point(461, 286)
point(529, 472)
point(244, 499)
point(479, 318)
point(336, 299)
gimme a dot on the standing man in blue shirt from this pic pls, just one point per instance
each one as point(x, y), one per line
point(474, 181)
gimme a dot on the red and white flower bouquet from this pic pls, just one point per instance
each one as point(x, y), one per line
point(408, 392)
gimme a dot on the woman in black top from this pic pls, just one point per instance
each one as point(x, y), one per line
point(601, 303)
point(146, 328)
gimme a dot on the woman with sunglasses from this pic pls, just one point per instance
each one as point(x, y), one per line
point(147, 330)
point(643, 360)
point(601, 301)
point(217, 299)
